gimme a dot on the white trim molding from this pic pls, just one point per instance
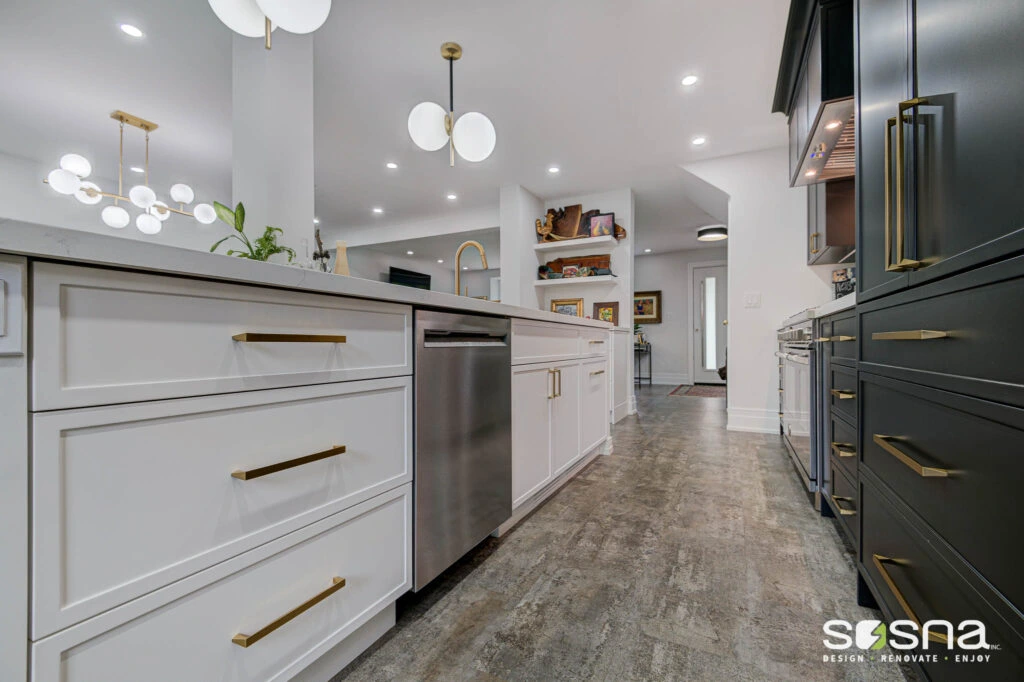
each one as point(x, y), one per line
point(669, 379)
point(752, 420)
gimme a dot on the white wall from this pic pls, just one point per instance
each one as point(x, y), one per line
point(767, 256)
point(368, 263)
point(381, 231)
point(519, 209)
point(671, 340)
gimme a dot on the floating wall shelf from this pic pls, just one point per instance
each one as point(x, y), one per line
point(569, 244)
point(597, 279)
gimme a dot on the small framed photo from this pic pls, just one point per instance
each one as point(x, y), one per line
point(568, 306)
point(647, 307)
point(569, 271)
point(602, 225)
point(607, 312)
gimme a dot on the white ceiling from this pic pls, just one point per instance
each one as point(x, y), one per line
point(592, 86)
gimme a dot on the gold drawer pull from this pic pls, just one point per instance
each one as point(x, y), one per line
point(246, 641)
point(919, 469)
point(257, 337)
point(843, 395)
point(836, 499)
point(281, 466)
point(835, 339)
point(909, 335)
point(844, 449)
point(879, 560)
point(595, 341)
point(823, 339)
point(594, 374)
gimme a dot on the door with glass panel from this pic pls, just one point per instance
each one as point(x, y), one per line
point(710, 319)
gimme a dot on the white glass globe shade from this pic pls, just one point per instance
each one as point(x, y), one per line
point(241, 16)
point(77, 164)
point(147, 224)
point(426, 126)
point(86, 198)
point(142, 196)
point(63, 181)
point(205, 214)
point(115, 216)
point(182, 194)
point(474, 136)
point(158, 214)
point(296, 16)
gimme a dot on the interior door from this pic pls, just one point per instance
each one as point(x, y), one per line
point(710, 307)
point(532, 394)
point(565, 418)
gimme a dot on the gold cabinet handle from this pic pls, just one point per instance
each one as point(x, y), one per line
point(814, 242)
point(887, 175)
point(880, 562)
point(834, 339)
point(246, 641)
point(836, 499)
point(843, 395)
point(259, 337)
point(844, 449)
point(288, 464)
point(595, 341)
point(823, 339)
point(551, 376)
point(909, 335)
point(903, 263)
point(558, 374)
point(594, 374)
point(919, 469)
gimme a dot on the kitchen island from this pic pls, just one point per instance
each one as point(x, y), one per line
point(207, 469)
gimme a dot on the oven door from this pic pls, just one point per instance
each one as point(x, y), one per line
point(796, 382)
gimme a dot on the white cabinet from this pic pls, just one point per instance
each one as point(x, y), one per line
point(565, 417)
point(532, 393)
point(594, 424)
point(534, 342)
point(621, 371)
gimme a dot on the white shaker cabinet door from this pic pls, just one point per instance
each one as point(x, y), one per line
point(594, 404)
point(532, 390)
point(565, 418)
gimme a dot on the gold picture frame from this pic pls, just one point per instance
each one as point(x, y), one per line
point(647, 307)
point(563, 306)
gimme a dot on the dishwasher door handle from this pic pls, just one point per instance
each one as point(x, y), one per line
point(455, 338)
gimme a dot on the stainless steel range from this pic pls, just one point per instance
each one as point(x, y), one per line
point(797, 402)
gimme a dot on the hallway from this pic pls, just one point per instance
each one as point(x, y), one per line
point(689, 553)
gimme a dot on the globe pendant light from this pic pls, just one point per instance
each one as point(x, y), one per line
point(115, 217)
point(255, 18)
point(431, 127)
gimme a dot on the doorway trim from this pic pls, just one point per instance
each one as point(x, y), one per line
point(690, 267)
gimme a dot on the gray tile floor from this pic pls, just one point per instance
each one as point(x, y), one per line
point(688, 554)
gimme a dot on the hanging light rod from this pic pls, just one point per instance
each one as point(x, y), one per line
point(431, 127)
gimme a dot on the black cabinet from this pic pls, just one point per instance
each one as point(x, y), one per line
point(830, 221)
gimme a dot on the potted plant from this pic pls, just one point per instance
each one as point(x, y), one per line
point(262, 248)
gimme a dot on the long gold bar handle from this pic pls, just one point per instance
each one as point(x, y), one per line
point(836, 499)
point(909, 335)
point(551, 384)
point(594, 374)
point(558, 373)
point(842, 395)
point(289, 464)
point(844, 449)
point(258, 337)
point(822, 339)
point(903, 263)
point(887, 175)
point(879, 562)
point(919, 469)
point(246, 641)
point(814, 242)
point(835, 339)
point(595, 341)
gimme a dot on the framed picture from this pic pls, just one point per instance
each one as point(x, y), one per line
point(568, 306)
point(607, 312)
point(570, 271)
point(602, 225)
point(647, 307)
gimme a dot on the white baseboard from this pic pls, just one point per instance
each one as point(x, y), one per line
point(669, 379)
point(620, 411)
point(753, 421)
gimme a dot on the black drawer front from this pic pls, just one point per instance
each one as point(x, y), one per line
point(983, 326)
point(976, 507)
point(934, 588)
point(843, 332)
point(842, 392)
point(843, 497)
point(843, 446)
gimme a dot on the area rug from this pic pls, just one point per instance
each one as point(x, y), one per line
point(699, 391)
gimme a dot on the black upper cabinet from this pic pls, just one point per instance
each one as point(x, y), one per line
point(883, 81)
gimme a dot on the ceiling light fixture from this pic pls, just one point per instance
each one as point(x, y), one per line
point(452, 197)
point(832, 125)
point(712, 233)
point(811, 173)
point(132, 31)
point(410, 253)
point(647, 250)
point(378, 209)
point(431, 127)
point(554, 169)
point(699, 140)
point(316, 221)
point(70, 179)
point(258, 18)
point(391, 165)
point(138, 169)
point(440, 260)
point(690, 80)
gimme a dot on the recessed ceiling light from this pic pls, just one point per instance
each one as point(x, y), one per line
point(316, 221)
point(832, 125)
point(554, 169)
point(391, 165)
point(136, 169)
point(647, 250)
point(699, 140)
point(378, 209)
point(133, 31)
point(811, 173)
point(452, 197)
point(440, 260)
point(465, 267)
point(689, 80)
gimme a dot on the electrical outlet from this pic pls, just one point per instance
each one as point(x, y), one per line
point(752, 299)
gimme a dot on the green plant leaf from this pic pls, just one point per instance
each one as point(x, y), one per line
point(240, 217)
point(219, 242)
point(224, 213)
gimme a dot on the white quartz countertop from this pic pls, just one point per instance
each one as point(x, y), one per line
point(835, 306)
point(86, 248)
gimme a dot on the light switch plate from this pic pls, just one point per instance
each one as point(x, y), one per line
point(752, 299)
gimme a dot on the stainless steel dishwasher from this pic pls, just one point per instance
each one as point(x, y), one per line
point(462, 477)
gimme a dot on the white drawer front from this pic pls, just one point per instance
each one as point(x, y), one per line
point(129, 498)
point(594, 342)
point(190, 638)
point(105, 336)
point(594, 420)
point(543, 342)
